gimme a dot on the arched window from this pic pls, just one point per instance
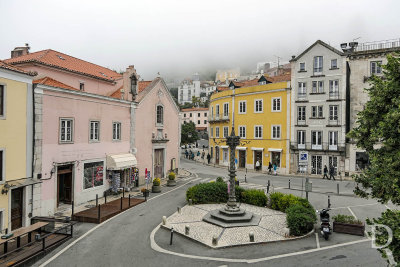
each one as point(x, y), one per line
point(160, 114)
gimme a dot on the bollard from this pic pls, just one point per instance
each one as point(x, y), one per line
point(289, 183)
point(251, 236)
point(245, 176)
point(179, 210)
point(97, 200)
point(121, 202)
point(164, 220)
point(98, 213)
point(268, 185)
point(172, 235)
point(215, 240)
point(129, 200)
point(105, 198)
point(72, 211)
point(123, 192)
point(329, 201)
point(187, 229)
point(337, 186)
point(190, 201)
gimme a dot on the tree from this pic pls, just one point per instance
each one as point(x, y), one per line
point(378, 132)
point(187, 105)
point(186, 130)
point(196, 101)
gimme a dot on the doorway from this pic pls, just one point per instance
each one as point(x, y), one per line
point(258, 156)
point(64, 188)
point(216, 155)
point(159, 163)
point(242, 158)
point(16, 208)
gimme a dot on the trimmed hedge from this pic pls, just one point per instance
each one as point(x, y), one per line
point(220, 180)
point(300, 220)
point(281, 202)
point(254, 197)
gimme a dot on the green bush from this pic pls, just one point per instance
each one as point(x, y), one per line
point(254, 197)
point(300, 219)
point(171, 176)
point(212, 193)
point(340, 218)
point(275, 199)
point(281, 202)
point(220, 180)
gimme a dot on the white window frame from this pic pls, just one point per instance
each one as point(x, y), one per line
point(333, 140)
point(255, 131)
point(226, 131)
point(3, 164)
point(316, 145)
point(334, 112)
point(92, 131)
point(377, 67)
point(242, 127)
point(302, 90)
point(66, 119)
point(226, 114)
point(274, 129)
point(217, 114)
point(217, 132)
point(160, 124)
point(255, 105)
point(302, 69)
point(301, 139)
point(4, 104)
point(243, 105)
point(273, 108)
point(318, 66)
point(118, 131)
point(300, 115)
point(336, 66)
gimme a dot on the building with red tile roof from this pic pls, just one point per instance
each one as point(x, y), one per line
point(51, 82)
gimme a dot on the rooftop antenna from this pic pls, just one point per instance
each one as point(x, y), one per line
point(278, 62)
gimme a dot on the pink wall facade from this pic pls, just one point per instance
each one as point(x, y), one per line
point(82, 109)
point(145, 126)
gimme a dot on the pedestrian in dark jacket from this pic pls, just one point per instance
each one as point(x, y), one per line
point(270, 168)
point(208, 158)
point(325, 173)
point(332, 173)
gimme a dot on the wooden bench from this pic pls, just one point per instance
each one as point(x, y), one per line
point(23, 231)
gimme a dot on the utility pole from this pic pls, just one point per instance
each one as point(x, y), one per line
point(278, 63)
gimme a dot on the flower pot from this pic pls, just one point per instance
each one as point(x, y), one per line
point(146, 193)
point(352, 229)
point(171, 183)
point(156, 189)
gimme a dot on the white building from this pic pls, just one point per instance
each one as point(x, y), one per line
point(188, 89)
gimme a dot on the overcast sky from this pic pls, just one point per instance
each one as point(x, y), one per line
point(182, 37)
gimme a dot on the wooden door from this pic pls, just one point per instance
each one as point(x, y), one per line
point(216, 155)
point(64, 188)
point(258, 156)
point(16, 208)
point(242, 159)
point(158, 163)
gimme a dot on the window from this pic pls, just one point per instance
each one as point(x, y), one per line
point(190, 115)
point(225, 155)
point(242, 131)
point(333, 113)
point(94, 131)
point(2, 100)
point(160, 114)
point(2, 167)
point(301, 139)
point(333, 140)
point(316, 139)
point(316, 111)
point(302, 66)
point(205, 115)
point(226, 131)
point(116, 131)
point(276, 104)
point(242, 107)
point(302, 90)
point(82, 86)
point(226, 109)
point(184, 115)
point(258, 106)
point(258, 132)
point(301, 113)
point(198, 121)
point(217, 110)
point(212, 111)
point(317, 87)
point(212, 132)
point(318, 63)
point(217, 132)
point(276, 132)
point(334, 89)
point(66, 130)
point(316, 164)
point(198, 115)
point(93, 174)
point(205, 121)
point(376, 67)
point(334, 64)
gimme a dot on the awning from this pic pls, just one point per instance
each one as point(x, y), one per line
point(121, 161)
point(257, 148)
point(241, 148)
point(23, 182)
point(275, 149)
point(224, 146)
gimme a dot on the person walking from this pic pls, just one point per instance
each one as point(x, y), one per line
point(198, 155)
point(275, 167)
point(257, 165)
point(270, 168)
point(186, 154)
point(332, 173)
point(208, 158)
point(325, 173)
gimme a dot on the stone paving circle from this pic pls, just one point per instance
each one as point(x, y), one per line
point(272, 226)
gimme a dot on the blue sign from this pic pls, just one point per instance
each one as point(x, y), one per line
point(236, 161)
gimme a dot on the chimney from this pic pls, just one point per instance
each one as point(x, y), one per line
point(20, 51)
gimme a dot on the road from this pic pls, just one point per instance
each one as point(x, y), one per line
point(125, 239)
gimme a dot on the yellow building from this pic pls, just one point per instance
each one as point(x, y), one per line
point(16, 147)
point(224, 75)
point(261, 118)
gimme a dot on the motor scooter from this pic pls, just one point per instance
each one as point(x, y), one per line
point(326, 229)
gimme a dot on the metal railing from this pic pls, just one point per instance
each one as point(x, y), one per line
point(385, 44)
point(333, 94)
point(323, 146)
point(301, 96)
point(218, 117)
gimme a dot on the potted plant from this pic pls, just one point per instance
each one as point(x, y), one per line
point(171, 179)
point(146, 192)
point(348, 225)
point(156, 188)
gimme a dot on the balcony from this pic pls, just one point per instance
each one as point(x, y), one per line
point(333, 121)
point(325, 146)
point(387, 44)
point(301, 96)
point(333, 95)
point(301, 123)
point(218, 118)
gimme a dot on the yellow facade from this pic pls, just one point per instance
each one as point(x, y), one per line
point(269, 147)
point(13, 140)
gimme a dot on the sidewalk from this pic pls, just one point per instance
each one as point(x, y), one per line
point(66, 210)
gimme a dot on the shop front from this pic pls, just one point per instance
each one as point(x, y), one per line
point(122, 172)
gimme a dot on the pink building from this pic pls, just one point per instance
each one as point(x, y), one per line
point(96, 129)
point(199, 116)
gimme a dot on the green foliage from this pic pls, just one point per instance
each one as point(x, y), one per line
point(281, 202)
point(340, 218)
point(207, 193)
point(378, 133)
point(174, 92)
point(390, 218)
point(156, 181)
point(300, 219)
point(187, 105)
point(171, 176)
point(220, 180)
point(275, 197)
point(254, 197)
point(189, 128)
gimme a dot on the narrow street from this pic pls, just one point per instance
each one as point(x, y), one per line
point(125, 239)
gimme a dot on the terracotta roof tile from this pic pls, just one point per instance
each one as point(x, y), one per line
point(54, 83)
point(194, 109)
point(6, 66)
point(281, 78)
point(142, 85)
point(117, 93)
point(63, 61)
